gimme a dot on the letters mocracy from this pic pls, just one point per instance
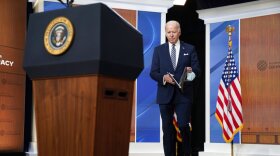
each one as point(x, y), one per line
point(6, 62)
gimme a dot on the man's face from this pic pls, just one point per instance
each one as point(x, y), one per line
point(172, 33)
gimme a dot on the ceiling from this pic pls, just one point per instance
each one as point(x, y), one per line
point(205, 4)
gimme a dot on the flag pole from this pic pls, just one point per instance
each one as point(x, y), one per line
point(232, 148)
point(228, 106)
point(229, 30)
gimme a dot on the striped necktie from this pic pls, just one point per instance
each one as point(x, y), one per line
point(173, 56)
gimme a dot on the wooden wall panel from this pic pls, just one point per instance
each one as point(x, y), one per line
point(11, 112)
point(260, 78)
point(13, 23)
point(12, 75)
point(11, 60)
point(130, 16)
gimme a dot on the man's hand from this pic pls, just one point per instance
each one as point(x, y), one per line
point(167, 78)
point(189, 69)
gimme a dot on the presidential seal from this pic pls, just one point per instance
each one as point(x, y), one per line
point(58, 35)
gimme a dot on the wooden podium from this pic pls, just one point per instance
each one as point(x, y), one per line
point(83, 96)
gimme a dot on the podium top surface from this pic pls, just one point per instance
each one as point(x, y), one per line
point(94, 40)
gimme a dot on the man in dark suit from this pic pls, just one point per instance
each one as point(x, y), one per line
point(171, 59)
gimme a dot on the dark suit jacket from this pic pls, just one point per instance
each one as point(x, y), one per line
point(161, 64)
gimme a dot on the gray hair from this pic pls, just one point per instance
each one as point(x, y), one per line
point(173, 22)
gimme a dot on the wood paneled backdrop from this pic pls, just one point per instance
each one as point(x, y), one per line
point(260, 79)
point(12, 75)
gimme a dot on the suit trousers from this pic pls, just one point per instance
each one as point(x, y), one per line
point(183, 110)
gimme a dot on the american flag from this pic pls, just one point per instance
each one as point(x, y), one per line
point(229, 103)
point(175, 123)
point(178, 133)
